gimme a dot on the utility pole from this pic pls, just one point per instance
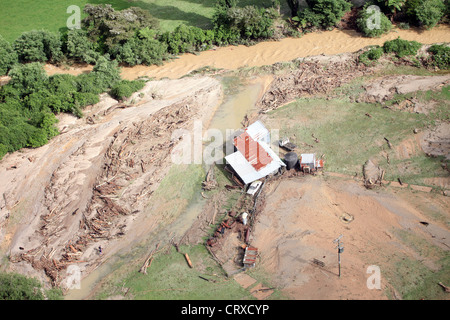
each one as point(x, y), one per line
point(340, 247)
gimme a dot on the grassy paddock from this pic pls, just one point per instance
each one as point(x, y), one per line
point(348, 137)
point(25, 15)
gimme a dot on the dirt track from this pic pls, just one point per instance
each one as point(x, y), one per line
point(90, 184)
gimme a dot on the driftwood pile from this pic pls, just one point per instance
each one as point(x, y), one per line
point(373, 174)
point(138, 153)
point(311, 78)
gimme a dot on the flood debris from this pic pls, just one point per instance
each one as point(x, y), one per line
point(286, 144)
point(311, 78)
point(149, 260)
point(373, 174)
point(210, 182)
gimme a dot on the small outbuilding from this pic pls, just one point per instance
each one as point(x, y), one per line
point(309, 163)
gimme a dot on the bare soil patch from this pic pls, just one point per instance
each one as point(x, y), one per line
point(380, 90)
point(303, 216)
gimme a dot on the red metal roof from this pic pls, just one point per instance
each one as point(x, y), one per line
point(253, 152)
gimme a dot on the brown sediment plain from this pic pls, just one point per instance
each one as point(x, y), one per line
point(91, 185)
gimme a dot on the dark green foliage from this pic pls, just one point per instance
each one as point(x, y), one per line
point(14, 286)
point(38, 45)
point(8, 57)
point(238, 25)
point(253, 23)
point(106, 73)
point(31, 98)
point(111, 28)
point(429, 12)
point(187, 39)
point(441, 56)
point(390, 6)
point(125, 88)
point(323, 13)
point(27, 78)
point(371, 55)
point(78, 47)
point(365, 20)
point(19, 287)
point(401, 47)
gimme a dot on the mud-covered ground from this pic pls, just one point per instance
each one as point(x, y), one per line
point(93, 184)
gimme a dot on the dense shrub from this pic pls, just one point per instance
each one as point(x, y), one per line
point(78, 47)
point(8, 57)
point(27, 78)
point(106, 73)
point(371, 55)
point(365, 23)
point(401, 47)
point(31, 98)
point(38, 45)
point(233, 24)
point(252, 22)
point(187, 39)
point(429, 12)
point(15, 286)
point(125, 88)
point(142, 51)
point(441, 56)
point(110, 28)
point(323, 13)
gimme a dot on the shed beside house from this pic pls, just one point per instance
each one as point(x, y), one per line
point(309, 163)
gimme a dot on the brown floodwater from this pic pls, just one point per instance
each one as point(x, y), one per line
point(267, 53)
point(270, 52)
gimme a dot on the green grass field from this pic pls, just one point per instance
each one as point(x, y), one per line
point(25, 15)
point(348, 137)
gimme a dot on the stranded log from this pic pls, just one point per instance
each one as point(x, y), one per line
point(188, 260)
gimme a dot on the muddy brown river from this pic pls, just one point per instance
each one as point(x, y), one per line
point(267, 53)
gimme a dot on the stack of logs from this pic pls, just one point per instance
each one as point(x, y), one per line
point(311, 78)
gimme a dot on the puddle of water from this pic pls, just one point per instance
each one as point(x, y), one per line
point(233, 110)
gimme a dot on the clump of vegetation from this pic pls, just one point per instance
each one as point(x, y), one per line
point(233, 24)
point(38, 45)
point(142, 50)
point(187, 39)
point(366, 25)
point(78, 47)
point(401, 47)
point(426, 13)
point(110, 28)
point(323, 13)
point(125, 88)
point(29, 102)
point(15, 286)
point(8, 57)
point(371, 55)
point(441, 56)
